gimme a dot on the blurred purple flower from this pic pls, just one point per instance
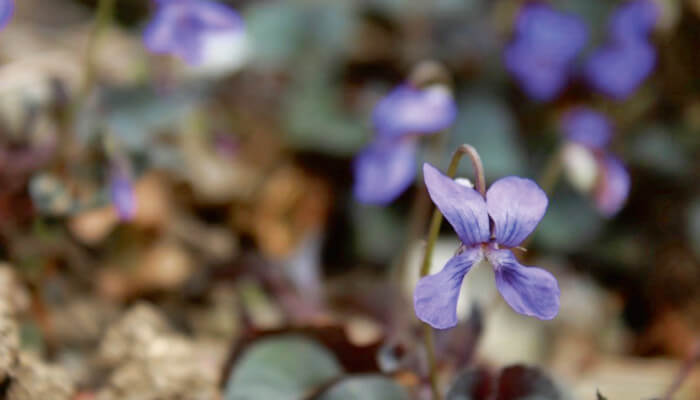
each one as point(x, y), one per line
point(633, 21)
point(618, 69)
point(543, 50)
point(608, 180)
point(180, 27)
point(587, 127)
point(408, 110)
point(122, 193)
point(7, 8)
point(488, 229)
point(387, 166)
point(621, 65)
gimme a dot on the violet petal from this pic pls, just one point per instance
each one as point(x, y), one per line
point(542, 53)
point(178, 26)
point(383, 170)
point(435, 297)
point(7, 9)
point(618, 70)
point(407, 110)
point(633, 20)
point(529, 291)
point(122, 194)
point(613, 186)
point(516, 206)
point(587, 127)
point(463, 207)
point(160, 33)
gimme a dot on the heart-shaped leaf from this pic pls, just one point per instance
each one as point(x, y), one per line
point(281, 368)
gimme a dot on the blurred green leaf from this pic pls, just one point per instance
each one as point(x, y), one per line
point(655, 148)
point(486, 123)
point(317, 122)
point(571, 221)
point(135, 114)
point(365, 387)
point(472, 384)
point(281, 368)
point(276, 30)
point(379, 232)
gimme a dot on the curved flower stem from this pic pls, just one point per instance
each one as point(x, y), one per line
point(435, 224)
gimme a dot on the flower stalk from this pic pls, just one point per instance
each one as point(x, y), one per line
point(551, 172)
point(435, 224)
point(103, 18)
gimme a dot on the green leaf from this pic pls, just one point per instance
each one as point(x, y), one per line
point(600, 396)
point(365, 387)
point(276, 30)
point(315, 119)
point(285, 367)
point(472, 384)
point(656, 148)
point(571, 221)
point(379, 231)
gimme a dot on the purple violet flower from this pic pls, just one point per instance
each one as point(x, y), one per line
point(617, 69)
point(633, 21)
point(488, 229)
point(545, 45)
point(621, 65)
point(182, 27)
point(591, 167)
point(122, 193)
point(587, 127)
point(7, 9)
point(387, 166)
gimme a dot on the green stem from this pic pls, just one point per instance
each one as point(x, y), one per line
point(103, 18)
point(551, 173)
point(435, 223)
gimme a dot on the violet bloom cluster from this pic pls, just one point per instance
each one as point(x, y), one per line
point(185, 28)
point(488, 229)
point(588, 162)
point(7, 8)
point(387, 166)
point(627, 59)
point(544, 49)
